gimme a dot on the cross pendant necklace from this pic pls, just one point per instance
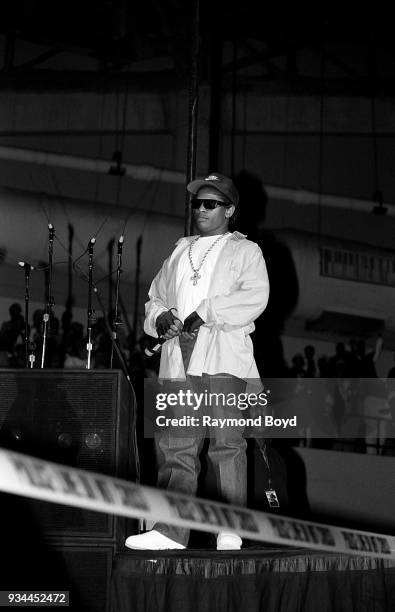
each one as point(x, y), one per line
point(195, 277)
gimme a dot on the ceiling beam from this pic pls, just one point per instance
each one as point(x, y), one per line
point(39, 59)
point(333, 59)
point(258, 57)
point(157, 81)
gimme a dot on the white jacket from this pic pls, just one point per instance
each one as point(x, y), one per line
point(238, 294)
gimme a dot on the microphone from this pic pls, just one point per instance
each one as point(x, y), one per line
point(26, 265)
point(155, 344)
point(120, 245)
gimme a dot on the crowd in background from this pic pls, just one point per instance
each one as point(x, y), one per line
point(66, 347)
point(66, 342)
point(355, 362)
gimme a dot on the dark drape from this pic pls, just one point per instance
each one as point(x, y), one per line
point(264, 580)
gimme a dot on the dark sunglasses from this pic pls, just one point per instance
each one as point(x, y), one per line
point(208, 204)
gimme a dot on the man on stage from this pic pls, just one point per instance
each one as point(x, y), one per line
point(216, 283)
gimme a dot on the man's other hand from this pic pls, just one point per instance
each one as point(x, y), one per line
point(191, 325)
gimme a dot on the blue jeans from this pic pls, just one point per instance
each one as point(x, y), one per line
point(178, 455)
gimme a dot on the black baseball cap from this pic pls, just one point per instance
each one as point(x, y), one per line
point(218, 181)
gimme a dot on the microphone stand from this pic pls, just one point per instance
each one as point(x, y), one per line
point(136, 291)
point(27, 297)
point(91, 314)
point(50, 300)
point(117, 320)
point(110, 250)
point(70, 299)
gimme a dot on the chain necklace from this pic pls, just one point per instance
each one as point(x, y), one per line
point(195, 277)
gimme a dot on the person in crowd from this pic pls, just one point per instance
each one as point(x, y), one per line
point(75, 347)
point(339, 364)
point(367, 360)
point(297, 370)
point(11, 333)
point(391, 372)
point(323, 363)
point(311, 368)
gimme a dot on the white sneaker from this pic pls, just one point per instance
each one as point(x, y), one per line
point(228, 541)
point(152, 540)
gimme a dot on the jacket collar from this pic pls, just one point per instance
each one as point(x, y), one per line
point(237, 236)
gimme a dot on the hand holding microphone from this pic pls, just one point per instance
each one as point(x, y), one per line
point(168, 326)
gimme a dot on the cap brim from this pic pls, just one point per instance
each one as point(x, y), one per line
point(194, 186)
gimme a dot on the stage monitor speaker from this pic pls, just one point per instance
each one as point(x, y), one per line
point(80, 418)
point(32, 564)
point(88, 571)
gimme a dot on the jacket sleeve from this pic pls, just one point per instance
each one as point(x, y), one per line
point(246, 299)
point(157, 299)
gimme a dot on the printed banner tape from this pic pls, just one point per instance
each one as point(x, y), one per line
point(38, 479)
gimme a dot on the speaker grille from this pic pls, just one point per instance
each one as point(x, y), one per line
point(77, 418)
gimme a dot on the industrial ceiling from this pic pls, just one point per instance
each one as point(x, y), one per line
point(96, 44)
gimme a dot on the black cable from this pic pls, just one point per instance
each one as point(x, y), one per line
point(103, 278)
point(126, 373)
